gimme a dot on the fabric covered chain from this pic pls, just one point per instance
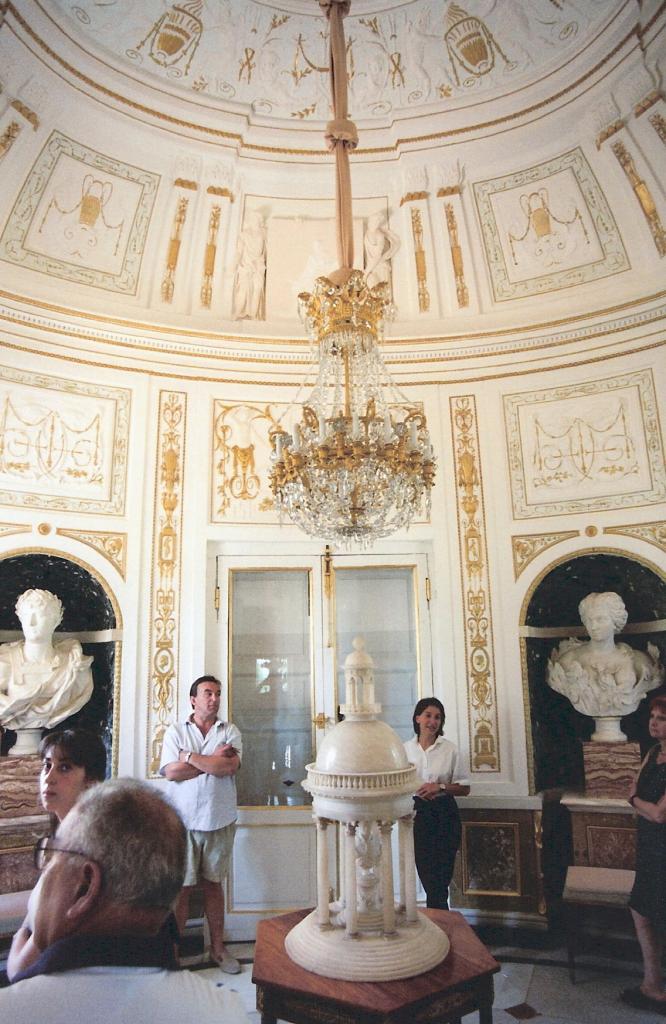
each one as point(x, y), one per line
point(341, 137)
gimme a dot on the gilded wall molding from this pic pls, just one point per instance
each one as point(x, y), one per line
point(652, 533)
point(414, 197)
point(210, 253)
point(658, 122)
point(526, 546)
point(475, 584)
point(462, 294)
point(166, 570)
point(643, 196)
point(420, 261)
point(110, 544)
point(173, 249)
point(9, 529)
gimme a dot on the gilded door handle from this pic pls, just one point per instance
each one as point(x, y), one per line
point(321, 720)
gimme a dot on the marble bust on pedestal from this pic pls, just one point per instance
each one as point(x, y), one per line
point(602, 678)
point(41, 682)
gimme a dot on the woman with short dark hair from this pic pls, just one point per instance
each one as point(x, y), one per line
point(73, 760)
point(648, 896)
point(437, 828)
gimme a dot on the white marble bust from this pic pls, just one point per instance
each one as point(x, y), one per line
point(41, 682)
point(601, 678)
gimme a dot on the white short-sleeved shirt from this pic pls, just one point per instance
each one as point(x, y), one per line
point(206, 802)
point(120, 995)
point(440, 760)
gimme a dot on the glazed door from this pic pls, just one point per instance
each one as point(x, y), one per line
point(280, 635)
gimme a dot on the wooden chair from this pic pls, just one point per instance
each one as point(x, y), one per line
point(592, 887)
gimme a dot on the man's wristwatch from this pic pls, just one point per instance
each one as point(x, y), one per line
point(631, 799)
point(442, 786)
point(188, 755)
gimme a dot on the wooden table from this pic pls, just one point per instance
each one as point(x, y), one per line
point(462, 983)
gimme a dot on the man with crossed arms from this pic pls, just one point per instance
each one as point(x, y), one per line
point(201, 756)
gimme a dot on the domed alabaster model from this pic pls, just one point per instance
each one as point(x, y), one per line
point(363, 781)
point(601, 678)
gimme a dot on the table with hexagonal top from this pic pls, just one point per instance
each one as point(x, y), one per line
point(461, 984)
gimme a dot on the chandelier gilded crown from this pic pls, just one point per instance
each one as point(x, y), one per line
point(359, 464)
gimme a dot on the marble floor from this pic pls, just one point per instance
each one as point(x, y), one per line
point(532, 985)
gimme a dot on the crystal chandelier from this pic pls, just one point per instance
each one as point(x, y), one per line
point(359, 465)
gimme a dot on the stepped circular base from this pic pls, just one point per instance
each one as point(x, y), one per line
point(414, 949)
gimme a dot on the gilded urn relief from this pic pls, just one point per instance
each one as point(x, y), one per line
point(547, 227)
point(81, 215)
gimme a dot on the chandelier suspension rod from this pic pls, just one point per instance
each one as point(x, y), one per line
point(341, 137)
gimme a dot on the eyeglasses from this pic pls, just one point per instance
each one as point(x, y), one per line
point(44, 850)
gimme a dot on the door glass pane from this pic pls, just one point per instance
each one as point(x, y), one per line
point(378, 603)
point(271, 700)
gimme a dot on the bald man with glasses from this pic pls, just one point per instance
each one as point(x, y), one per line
point(109, 880)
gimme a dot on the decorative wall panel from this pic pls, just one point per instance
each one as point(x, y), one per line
point(651, 533)
point(241, 451)
point(63, 443)
point(525, 547)
point(475, 582)
point(166, 570)
point(82, 216)
point(113, 546)
point(585, 447)
point(547, 227)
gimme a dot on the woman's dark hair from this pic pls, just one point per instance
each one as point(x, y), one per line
point(659, 703)
point(428, 702)
point(84, 749)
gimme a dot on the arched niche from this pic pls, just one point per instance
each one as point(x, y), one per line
point(556, 728)
point(88, 609)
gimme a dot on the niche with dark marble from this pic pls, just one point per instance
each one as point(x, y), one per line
point(87, 608)
point(557, 728)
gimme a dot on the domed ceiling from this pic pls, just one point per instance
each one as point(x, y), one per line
point(166, 162)
point(404, 57)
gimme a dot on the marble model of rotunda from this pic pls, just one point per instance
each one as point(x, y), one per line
point(363, 781)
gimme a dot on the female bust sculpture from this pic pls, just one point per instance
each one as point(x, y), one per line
point(601, 678)
point(41, 683)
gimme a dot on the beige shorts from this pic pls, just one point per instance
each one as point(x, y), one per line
point(208, 854)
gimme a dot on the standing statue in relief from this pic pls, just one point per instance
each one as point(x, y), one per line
point(249, 297)
point(380, 245)
point(601, 678)
point(41, 682)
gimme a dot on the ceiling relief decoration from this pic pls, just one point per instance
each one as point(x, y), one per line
point(585, 447)
point(547, 227)
point(274, 58)
point(63, 443)
point(82, 216)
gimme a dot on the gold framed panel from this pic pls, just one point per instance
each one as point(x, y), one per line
point(487, 862)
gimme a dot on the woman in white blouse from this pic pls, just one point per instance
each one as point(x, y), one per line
point(437, 828)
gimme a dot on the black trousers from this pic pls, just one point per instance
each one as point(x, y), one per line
point(437, 834)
